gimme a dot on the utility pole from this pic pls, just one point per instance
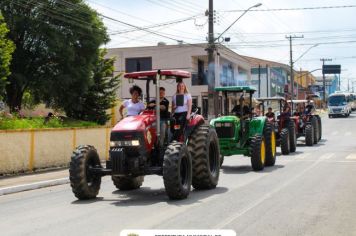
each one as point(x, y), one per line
point(267, 80)
point(324, 83)
point(259, 81)
point(212, 95)
point(290, 37)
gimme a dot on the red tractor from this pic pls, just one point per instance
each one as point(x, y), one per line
point(284, 125)
point(191, 158)
point(308, 124)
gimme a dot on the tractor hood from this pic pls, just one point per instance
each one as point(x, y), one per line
point(135, 123)
point(231, 119)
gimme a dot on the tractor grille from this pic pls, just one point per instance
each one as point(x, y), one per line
point(225, 132)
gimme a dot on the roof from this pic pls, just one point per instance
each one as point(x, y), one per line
point(146, 75)
point(271, 99)
point(236, 88)
point(300, 101)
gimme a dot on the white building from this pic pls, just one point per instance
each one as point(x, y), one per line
point(230, 68)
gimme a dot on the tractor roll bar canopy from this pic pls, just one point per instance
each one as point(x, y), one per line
point(236, 89)
point(165, 74)
point(271, 99)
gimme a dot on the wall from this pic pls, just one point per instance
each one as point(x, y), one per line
point(28, 150)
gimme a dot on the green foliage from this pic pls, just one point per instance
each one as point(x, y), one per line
point(56, 49)
point(6, 49)
point(14, 122)
point(101, 94)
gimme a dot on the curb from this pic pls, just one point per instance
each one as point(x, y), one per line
point(32, 186)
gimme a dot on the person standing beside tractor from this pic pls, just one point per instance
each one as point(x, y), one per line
point(134, 106)
point(181, 105)
point(164, 113)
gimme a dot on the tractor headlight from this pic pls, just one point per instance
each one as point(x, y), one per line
point(217, 124)
point(125, 143)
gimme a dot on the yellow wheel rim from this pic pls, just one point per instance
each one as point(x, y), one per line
point(273, 143)
point(263, 151)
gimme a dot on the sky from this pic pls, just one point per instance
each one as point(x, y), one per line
point(327, 32)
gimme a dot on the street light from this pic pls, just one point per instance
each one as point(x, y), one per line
point(315, 45)
point(256, 5)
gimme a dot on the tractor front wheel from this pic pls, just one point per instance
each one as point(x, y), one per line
point(309, 135)
point(320, 127)
point(270, 140)
point(203, 146)
point(177, 171)
point(85, 185)
point(285, 142)
point(127, 183)
point(292, 136)
point(258, 152)
point(316, 129)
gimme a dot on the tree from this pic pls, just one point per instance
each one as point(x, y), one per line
point(57, 46)
point(6, 50)
point(101, 94)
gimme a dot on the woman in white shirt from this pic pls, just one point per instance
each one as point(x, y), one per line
point(134, 106)
point(182, 105)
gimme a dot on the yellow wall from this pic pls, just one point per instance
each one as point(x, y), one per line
point(27, 150)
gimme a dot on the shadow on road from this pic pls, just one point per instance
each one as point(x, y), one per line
point(149, 196)
point(247, 169)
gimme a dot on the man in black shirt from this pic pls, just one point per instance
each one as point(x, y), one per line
point(164, 105)
point(270, 114)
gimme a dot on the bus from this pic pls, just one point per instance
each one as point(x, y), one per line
point(340, 104)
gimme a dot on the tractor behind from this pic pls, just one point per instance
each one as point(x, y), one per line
point(241, 133)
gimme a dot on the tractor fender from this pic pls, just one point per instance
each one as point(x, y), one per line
point(256, 125)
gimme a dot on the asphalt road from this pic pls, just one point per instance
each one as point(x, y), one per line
point(312, 192)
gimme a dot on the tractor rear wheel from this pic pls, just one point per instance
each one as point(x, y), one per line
point(316, 129)
point(127, 183)
point(177, 171)
point(270, 141)
point(85, 185)
point(203, 146)
point(258, 152)
point(292, 136)
point(221, 160)
point(309, 135)
point(285, 141)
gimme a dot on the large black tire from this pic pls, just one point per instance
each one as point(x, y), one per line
point(285, 141)
point(270, 140)
point(292, 136)
point(316, 129)
point(177, 171)
point(203, 146)
point(309, 135)
point(127, 183)
point(320, 127)
point(85, 185)
point(258, 152)
point(222, 158)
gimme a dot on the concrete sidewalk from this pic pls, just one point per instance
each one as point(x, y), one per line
point(32, 181)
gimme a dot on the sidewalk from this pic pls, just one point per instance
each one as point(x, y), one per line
point(32, 181)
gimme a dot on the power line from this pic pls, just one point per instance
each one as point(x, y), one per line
point(295, 9)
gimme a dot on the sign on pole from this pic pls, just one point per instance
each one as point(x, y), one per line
point(331, 69)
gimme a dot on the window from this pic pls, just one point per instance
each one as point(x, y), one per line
point(200, 78)
point(205, 106)
point(138, 64)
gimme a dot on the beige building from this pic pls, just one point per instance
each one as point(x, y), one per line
point(230, 68)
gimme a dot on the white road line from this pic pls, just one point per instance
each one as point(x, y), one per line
point(326, 156)
point(351, 156)
point(303, 156)
point(348, 134)
point(261, 200)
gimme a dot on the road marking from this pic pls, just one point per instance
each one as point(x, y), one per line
point(233, 217)
point(326, 156)
point(303, 156)
point(351, 156)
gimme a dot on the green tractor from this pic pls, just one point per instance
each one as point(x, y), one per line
point(240, 132)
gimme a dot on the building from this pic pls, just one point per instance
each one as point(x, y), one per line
point(230, 68)
point(304, 80)
point(331, 83)
point(270, 78)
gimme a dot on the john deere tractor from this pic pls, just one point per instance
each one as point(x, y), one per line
point(240, 132)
